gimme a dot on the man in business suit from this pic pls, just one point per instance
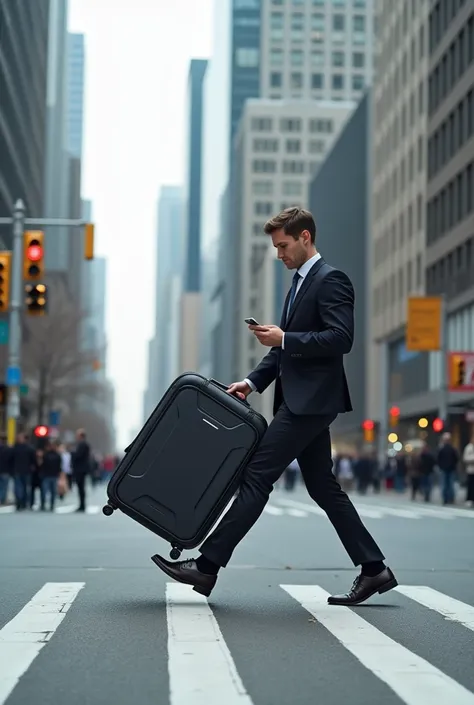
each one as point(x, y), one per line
point(306, 360)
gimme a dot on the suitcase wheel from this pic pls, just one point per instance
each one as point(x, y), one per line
point(175, 553)
point(107, 510)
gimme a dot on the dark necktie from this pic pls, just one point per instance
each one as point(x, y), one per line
point(294, 285)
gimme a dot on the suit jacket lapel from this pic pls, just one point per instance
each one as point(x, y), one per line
point(285, 307)
point(303, 288)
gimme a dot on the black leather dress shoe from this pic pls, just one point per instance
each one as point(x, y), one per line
point(188, 573)
point(364, 587)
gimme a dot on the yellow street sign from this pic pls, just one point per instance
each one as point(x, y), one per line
point(424, 324)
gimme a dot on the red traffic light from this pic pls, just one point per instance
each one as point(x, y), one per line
point(368, 425)
point(438, 425)
point(41, 431)
point(394, 411)
point(34, 253)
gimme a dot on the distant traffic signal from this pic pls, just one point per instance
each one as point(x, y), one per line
point(36, 299)
point(5, 266)
point(394, 416)
point(368, 427)
point(41, 431)
point(33, 255)
point(89, 241)
point(438, 425)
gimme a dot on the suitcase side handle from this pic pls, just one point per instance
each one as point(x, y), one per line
point(225, 388)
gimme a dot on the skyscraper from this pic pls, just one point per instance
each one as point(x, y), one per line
point(190, 304)
point(163, 348)
point(23, 88)
point(75, 107)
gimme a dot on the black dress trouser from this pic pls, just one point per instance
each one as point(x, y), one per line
point(307, 439)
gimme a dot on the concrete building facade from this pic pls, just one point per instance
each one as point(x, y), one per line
point(23, 91)
point(398, 200)
point(279, 147)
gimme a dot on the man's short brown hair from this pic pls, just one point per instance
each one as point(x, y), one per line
point(292, 221)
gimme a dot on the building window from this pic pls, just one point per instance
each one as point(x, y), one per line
point(297, 25)
point(276, 25)
point(316, 146)
point(317, 22)
point(293, 146)
point(262, 124)
point(246, 57)
point(358, 60)
point(262, 188)
point(265, 145)
point(297, 57)
point(296, 80)
point(292, 188)
point(276, 79)
point(321, 125)
point(358, 23)
point(317, 81)
point(317, 58)
point(338, 23)
point(357, 83)
point(338, 58)
point(263, 166)
point(263, 208)
point(293, 167)
point(276, 57)
point(338, 81)
point(290, 125)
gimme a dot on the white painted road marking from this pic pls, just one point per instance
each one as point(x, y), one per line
point(314, 509)
point(24, 636)
point(201, 668)
point(448, 607)
point(274, 511)
point(412, 678)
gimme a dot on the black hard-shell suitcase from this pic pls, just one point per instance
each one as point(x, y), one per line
point(181, 471)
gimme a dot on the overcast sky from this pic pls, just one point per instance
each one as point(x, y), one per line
point(137, 60)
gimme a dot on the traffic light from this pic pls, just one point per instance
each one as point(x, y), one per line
point(41, 431)
point(457, 372)
point(33, 255)
point(368, 427)
point(394, 416)
point(438, 425)
point(89, 241)
point(5, 265)
point(36, 299)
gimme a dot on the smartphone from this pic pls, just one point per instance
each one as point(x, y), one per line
point(251, 322)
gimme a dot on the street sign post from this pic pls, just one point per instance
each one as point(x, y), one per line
point(424, 323)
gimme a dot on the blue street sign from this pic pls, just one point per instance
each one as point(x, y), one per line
point(54, 418)
point(13, 376)
point(3, 332)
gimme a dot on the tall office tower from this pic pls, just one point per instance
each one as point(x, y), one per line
point(316, 49)
point(450, 190)
point(163, 348)
point(57, 171)
point(280, 144)
point(191, 299)
point(23, 87)
point(399, 129)
point(75, 93)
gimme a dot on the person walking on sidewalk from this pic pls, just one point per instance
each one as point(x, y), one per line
point(305, 359)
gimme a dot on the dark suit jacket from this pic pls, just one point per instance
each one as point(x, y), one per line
point(318, 333)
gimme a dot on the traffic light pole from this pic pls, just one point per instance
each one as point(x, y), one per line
point(443, 391)
point(383, 403)
point(18, 221)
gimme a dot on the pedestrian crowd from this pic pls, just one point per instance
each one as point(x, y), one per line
point(50, 470)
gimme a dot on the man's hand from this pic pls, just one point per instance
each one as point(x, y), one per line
point(239, 389)
point(271, 336)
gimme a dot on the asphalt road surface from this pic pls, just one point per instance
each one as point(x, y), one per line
point(85, 617)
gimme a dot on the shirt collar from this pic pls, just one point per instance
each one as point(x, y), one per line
point(305, 268)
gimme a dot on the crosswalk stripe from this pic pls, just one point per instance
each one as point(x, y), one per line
point(70, 508)
point(7, 510)
point(297, 513)
point(450, 608)
point(24, 636)
point(274, 511)
point(201, 668)
point(412, 678)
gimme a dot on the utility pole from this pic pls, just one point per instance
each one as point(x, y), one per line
point(13, 377)
point(443, 391)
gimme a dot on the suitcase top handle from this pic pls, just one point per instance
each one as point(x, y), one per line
point(225, 388)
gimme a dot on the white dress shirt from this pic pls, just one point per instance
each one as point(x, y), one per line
point(303, 271)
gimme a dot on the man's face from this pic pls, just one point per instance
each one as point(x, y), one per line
point(293, 253)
